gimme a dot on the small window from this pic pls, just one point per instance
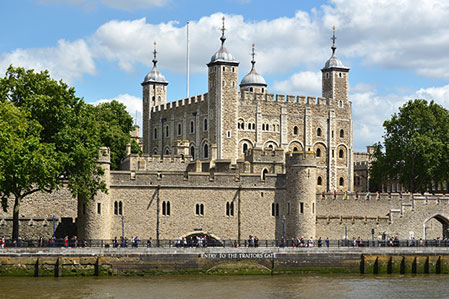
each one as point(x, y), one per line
point(295, 130)
point(327, 75)
point(263, 127)
point(166, 208)
point(295, 149)
point(277, 209)
point(153, 99)
point(342, 182)
point(263, 90)
point(99, 208)
point(264, 173)
point(342, 133)
point(166, 131)
point(205, 124)
point(179, 129)
point(167, 151)
point(254, 126)
point(318, 152)
point(115, 208)
point(288, 208)
point(192, 127)
point(333, 153)
point(233, 84)
point(251, 89)
point(273, 209)
point(313, 207)
point(340, 104)
point(233, 70)
point(155, 133)
point(228, 134)
point(319, 181)
point(318, 132)
point(224, 69)
point(267, 126)
point(340, 153)
point(301, 207)
point(120, 208)
point(202, 209)
point(340, 75)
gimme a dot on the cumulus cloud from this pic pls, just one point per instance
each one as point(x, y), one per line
point(303, 83)
point(133, 105)
point(68, 60)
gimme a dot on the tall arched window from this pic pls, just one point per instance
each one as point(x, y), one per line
point(192, 127)
point(179, 129)
point(120, 208)
point(318, 152)
point(342, 133)
point(318, 132)
point(245, 147)
point(341, 182)
point(205, 124)
point(206, 151)
point(115, 208)
point(319, 181)
point(155, 133)
point(192, 152)
point(340, 153)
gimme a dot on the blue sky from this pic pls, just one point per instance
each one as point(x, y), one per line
point(396, 50)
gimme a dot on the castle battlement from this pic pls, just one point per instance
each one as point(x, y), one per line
point(282, 98)
point(181, 103)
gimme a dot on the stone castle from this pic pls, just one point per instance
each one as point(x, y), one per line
point(239, 161)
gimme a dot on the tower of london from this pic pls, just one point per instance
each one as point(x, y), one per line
point(239, 161)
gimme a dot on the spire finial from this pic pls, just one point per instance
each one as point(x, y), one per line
point(223, 38)
point(253, 53)
point(154, 54)
point(333, 38)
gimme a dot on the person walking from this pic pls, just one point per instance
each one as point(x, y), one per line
point(2, 242)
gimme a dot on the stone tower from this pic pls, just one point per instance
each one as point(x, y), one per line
point(335, 76)
point(301, 190)
point(223, 106)
point(154, 93)
point(94, 217)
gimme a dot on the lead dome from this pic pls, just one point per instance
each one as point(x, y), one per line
point(154, 76)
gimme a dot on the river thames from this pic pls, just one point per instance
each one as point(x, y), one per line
point(205, 286)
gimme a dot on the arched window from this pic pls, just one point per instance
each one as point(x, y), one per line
point(155, 133)
point(342, 133)
point(205, 124)
point(164, 208)
point(168, 208)
point(295, 130)
point(318, 152)
point(277, 209)
point(159, 99)
point(263, 127)
point(192, 152)
point(120, 208)
point(264, 173)
point(318, 132)
point(251, 89)
point(267, 126)
point(263, 89)
point(179, 129)
point(319, 181)
point(232, 208)
point(245, 147)
point(167, 151)
point(166, 131)
point(202, 209)
point(270, 146)
point(341, 182)
point(206, 151)
point(115, 208)
point(340, 153)
point(295, 149)
point(273, 209)
point(227, 209)
point(254, 126)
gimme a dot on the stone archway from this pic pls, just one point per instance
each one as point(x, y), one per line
point(436, 227)
point(191, 238)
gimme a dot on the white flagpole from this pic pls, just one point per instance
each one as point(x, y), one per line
point(188, 66)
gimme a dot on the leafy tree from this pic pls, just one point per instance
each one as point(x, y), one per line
point(115, 125)
point(415, 148)
point(48, 137)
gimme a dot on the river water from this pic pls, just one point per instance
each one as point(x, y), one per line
point(281, 286)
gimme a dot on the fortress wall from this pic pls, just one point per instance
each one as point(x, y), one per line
point(36, 212)
point(359, 207)
point(334, 228)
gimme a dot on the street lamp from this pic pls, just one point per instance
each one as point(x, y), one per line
point(54, 231)
point(123, 231)
point(283, 230)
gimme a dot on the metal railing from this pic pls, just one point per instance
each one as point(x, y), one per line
point(74, 243)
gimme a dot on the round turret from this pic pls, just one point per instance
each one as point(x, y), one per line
point(154, 76)
point(253, 81)
point(223, 55)
point(301, 193)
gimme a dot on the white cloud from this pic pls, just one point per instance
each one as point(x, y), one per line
point(68, 60)
point(133, 4)
point(304, 83)
point(439, 94)
point(133, 105)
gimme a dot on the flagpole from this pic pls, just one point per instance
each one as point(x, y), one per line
point(188, 66)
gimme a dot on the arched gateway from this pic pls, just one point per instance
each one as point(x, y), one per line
point(191, 238)
point(436, 226)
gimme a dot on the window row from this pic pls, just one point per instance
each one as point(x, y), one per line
point(318, 132)
point(166, 208)
point(275, 209)
point(180, 129)
point(341, 181)
point(341, 153)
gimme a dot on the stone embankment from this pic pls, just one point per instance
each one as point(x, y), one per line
point(153, 261)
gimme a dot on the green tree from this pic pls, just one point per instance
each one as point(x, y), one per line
point(115, 125)
point(49, 137)
point(415, 147)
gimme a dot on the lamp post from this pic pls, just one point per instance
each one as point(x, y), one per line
point(54, 231)
point(123, 231)
point(283, 231)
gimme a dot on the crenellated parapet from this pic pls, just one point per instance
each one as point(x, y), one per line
point(181, 103)
point(285, 99)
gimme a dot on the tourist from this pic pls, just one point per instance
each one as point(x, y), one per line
point(66, 241)
point(136, 241)
point(327, 242)
point(149, 242)
point(320, 242)
point(3, 242)
point(311, 242)
point(256, 241)
point(41, 241)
